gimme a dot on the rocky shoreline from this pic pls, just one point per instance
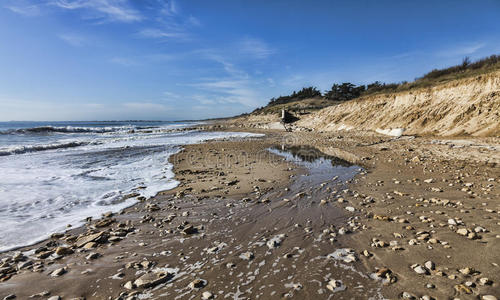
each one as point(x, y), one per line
point(419, 221)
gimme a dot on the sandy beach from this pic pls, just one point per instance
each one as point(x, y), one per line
point(354, 216)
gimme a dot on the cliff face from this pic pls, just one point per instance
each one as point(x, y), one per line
point(469, 106)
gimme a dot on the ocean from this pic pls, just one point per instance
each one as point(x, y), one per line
point(57, 173)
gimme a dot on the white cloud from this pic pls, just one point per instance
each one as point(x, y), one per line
point(461, 50)
point(159, 33)
point(113, 10)
point(193, 21)
point(255, 48)
point(29, 10)
point(73, 39)
point(169, 8)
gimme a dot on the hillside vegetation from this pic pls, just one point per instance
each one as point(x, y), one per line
point(314, 99)
point(459, 100)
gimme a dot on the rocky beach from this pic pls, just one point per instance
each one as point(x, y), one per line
point(304, 215)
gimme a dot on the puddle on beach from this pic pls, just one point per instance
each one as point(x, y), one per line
point(321, 167)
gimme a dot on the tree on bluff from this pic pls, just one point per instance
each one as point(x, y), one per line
point(305, 93)
point(345, 91)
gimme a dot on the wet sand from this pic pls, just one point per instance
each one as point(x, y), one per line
point(246, 223)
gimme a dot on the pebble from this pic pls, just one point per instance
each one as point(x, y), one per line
point(407, 295)
point(420, 270)
point(9, 297)
point(488, 297)
point(334, 285)
point(485, 281)
point(430, 265)
point(58, 272)
point(92, 255)
point(54, 298)
point(350, 208)
point(207, 295)
point(247, 256)
point(197, 284)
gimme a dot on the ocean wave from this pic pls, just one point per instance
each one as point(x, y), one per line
point(67, 129)
point(36, 148)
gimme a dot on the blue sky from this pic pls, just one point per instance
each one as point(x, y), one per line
point(172, 60)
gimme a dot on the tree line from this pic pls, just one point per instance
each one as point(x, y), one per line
point(347, 91)
point(339, 92)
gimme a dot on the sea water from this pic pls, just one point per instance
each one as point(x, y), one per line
point(57, 173)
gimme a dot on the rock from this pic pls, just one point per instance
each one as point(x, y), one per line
point(407, 295)
point(190, 229)
point(152, 279)
point(467, 271)
point(54, 298)
point(63, 251)
point(58, 272)
point(92, 255)
point(334, 285)
point(24, 264)
point(430, 265)
point(275, 241)
point(39, 295)
point(488, 297)
point(485, 281)
point(462, 289)
point(207, 295)
point(9, 297)
point(463, 231)
point(420, 270)
point(350, 208)
point(197, 284)
point(129, 285)
point(80, 242)
point(104, 222)
point(247, 256)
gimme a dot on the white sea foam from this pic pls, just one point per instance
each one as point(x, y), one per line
point(62, 183)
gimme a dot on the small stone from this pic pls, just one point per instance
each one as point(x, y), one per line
point(430, 265)
point(63, 251)
point(129, 285)
point(488, 297)
point(207, 295)
point(466, 271)
point(420, 270)
point(275, 241)
point(190, 229)
point(54, 298)
point(463, 231)
point(9, 297)
point(485, 281)
point(350, 208)
point(39, 295)
point(247, 256)
point(407, 295)
point(462, 289)
point(58, 272)
point(334, 285)
point(197, 284)
point(151, 279)
point(24, 264)
point(92, 255)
